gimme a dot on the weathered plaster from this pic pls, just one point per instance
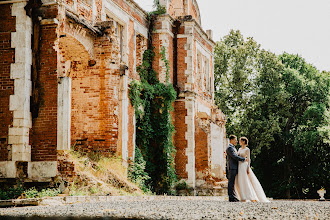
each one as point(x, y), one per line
point(42, 170)
point(7, 169)
point(64, 114)
point(21, 72)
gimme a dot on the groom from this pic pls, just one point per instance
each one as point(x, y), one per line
point(232, 165)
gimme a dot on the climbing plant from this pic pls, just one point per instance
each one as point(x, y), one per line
point(152, 100)
point(153, 103)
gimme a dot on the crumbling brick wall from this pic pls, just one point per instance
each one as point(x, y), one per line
point(76, 48)
point(95, 100)
point(182, 65)
point(201, 147)
point(43, 135)
point(7, 54)
point(180, 141)
point(66, 169)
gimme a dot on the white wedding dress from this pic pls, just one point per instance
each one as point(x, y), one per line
point(247, 186)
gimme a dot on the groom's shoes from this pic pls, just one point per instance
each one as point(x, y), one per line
point(233, 200)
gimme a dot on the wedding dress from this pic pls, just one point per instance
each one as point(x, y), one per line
point(247, 186)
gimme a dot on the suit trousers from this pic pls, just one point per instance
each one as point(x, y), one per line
point(231, 181)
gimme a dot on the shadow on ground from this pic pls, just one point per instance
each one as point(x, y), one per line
point(61, 218)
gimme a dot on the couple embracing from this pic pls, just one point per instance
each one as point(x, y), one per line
point(243, 185)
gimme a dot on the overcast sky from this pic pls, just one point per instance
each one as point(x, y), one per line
point(295, 26)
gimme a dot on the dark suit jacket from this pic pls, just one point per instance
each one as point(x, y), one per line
point(233, 158)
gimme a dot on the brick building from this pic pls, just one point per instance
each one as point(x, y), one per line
point(64, 74)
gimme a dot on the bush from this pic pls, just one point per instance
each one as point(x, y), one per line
point(31, 193)
point(11, 193)
point(48, 192)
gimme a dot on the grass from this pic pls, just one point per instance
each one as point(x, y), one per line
point(99, 175)
point(96, 175)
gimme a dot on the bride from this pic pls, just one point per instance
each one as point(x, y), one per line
point(247, 186)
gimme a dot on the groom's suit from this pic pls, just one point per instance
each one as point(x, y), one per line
point(232, 164)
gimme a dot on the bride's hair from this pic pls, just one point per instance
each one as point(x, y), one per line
point(245, 140)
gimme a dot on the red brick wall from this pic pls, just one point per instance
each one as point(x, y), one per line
point(182, 66)
point(180, 141)
point(84, 9)
point(66, 169)
point(170, 51)
point(131, 46)
point(130, 130)
point(201, 150)
point(158, 47)
point(198, 37)
point(156, 44)
point(95, 103)
point(141, 46)
point(7, 55)
point(131, 11)
point(194, 11)
point(69, 2)
point(43, 135)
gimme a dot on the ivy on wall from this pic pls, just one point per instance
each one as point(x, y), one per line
point(153, 103)
point(153, 166)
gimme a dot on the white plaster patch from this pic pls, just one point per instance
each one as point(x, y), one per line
point(64, 114)
point(39, 170)
point(116, 12)
point(190, 137)
point(141, 29)
point(19, 103)
point(218, 162)
point(7, 169)
point(203, 108)
point(124, 118)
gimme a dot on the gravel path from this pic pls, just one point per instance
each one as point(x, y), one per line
point(175, 209)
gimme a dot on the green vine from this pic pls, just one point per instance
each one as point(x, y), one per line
point(167, 63)
point(159, 8)
point(152, 100)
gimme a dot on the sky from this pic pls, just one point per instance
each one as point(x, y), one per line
point(294, 26)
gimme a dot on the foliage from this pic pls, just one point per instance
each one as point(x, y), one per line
point(153, 166)
point(281, 103)
point(234, 66)
point(137, 172)
point(11, 192)
point(159, 10)
point(48, 192)
point(31, 193)
point(152, 101)
point(182, 185)
point(16, 191)
point(76, 191)
point(34, 193)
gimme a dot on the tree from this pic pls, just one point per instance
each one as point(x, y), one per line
point(234, 65)
point(285, 114)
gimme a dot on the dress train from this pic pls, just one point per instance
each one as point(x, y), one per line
point(247, 186)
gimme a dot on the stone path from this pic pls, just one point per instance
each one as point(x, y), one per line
point(173, 208)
